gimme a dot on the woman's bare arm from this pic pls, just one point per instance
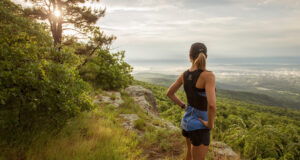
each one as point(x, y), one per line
point(173, 88)
point(210, 85)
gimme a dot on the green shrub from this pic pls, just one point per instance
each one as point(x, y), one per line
point(107, 70)
point(39, 86)
point(140, 124)
point(113, 96)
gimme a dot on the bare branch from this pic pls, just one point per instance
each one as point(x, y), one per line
point(75, 30)
point(47, 4)
point(86, 60)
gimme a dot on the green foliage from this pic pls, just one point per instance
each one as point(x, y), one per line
point(140, 124)
point(256, 131)
point(89, 136)
point(36, 92)
point(107, 70)
point(75, 16)
point(164, 140)
point(113, 96)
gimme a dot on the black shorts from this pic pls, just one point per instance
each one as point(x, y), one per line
point(197, 137)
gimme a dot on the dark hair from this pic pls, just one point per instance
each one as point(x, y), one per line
point(198, 53)
point(196, 49)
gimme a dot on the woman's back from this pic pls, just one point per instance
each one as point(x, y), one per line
point(196, 97)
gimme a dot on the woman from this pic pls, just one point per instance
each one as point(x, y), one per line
point(198, 119)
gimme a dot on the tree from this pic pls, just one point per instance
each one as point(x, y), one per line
point(109, 70)
point(72, 15)
point(36, 93)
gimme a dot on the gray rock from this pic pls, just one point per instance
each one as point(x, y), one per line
point(129, 120)
point(223, 151)
point(106, 97)
point(144, 97)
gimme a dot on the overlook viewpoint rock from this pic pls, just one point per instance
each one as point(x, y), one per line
point(145, 99)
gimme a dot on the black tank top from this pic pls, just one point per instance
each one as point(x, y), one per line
point(196, 97)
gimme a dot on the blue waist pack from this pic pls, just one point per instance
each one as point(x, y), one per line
point(190, 120)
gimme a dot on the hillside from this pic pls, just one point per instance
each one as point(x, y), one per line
point(255, 131)
point(130, 125)
point(118, 128)
point(256, 98)
point(157, 78)
point(124, 125)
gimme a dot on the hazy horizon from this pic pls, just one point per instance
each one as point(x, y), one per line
point(175, 67)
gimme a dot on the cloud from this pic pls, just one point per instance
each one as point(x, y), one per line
point(161, 32)
point(285, 3)
point(165, 29)
point(137, 9)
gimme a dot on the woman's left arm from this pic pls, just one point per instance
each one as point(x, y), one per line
point(210, 88)
point(173, 88)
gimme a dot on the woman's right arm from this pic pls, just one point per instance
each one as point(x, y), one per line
point(210, 85)
point(173, 88)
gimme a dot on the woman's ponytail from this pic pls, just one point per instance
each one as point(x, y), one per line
point(198, 53)
point(200, 61)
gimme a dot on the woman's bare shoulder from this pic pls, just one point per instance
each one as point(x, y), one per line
point(208, 74)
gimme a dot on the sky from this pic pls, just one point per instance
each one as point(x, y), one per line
point(161, 30)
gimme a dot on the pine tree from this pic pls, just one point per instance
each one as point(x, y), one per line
point(73, 15)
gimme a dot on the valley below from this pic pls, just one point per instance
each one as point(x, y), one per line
point(276, 85)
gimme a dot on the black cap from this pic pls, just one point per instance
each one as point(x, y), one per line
point(196, 49)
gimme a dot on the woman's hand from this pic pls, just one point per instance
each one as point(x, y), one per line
point(205, 123)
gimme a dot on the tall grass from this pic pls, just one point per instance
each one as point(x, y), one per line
point(93, 135)
point(98, 135)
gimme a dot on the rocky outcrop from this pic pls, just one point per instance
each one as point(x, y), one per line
point(222, 151)
point(109, 97)
point(144, 98)
point(129, 120)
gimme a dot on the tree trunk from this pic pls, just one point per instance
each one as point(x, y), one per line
point(56, 24)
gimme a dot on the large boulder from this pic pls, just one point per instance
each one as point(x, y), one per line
point(143, 97)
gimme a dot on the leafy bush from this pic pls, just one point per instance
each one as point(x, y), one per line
point(39, 86)
point(107, 70)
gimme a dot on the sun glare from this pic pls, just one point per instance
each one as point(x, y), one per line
point(57, 13)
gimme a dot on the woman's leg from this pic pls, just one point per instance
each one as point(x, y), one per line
point(199, 152)
point(189, 151)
